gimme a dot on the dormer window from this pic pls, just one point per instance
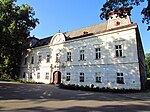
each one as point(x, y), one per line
point(85, 33)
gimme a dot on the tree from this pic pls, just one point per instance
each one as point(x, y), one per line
point(114, 5)
point(16, 22)
point(147, 62)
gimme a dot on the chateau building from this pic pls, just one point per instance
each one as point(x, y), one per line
point(108, 54)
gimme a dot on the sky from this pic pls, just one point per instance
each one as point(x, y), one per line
point(68, 15)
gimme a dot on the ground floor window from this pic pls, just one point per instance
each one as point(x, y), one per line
point(47, 76)
point(68, 77)
point(81, 77)
point(120, 78)
point(24, 75)
point(30, 75)
point(98, 77)
point(38, 75)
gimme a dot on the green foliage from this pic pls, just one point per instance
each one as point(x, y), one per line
point(147, 62)
point(114, 5)
point(5, 77)
point(97, 89)
point(16, 22)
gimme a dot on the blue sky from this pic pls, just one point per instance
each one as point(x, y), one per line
point(67, 15)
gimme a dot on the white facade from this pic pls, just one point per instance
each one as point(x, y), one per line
point(107, 58)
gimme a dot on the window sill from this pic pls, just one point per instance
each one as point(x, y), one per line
point(120, 57)
point(98, 82)
point(120, 83)
point(98, 59)
point(67, 80)
point(81, 60)
point(68, 61)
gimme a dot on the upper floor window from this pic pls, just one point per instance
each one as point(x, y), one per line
point(48, 58)
point(32, 60)
point(119, 50)
point(68, 56)
point(82, 57)
point(81, 77)
point(98, 77)
point(25, 60)
point(120, 78)
point(57, 57)
point(39, 59)
point(68, 77)
point(97, 53)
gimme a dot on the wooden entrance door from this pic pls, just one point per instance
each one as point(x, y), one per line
point(57, 77)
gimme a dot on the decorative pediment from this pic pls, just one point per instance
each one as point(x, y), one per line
point(57, 38)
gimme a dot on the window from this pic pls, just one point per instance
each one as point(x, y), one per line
point(40, 59)
point(48, 58)
point(30, 75)
point(97, 53)
point(81, 77)
point(82, 55)
point(68, 56)
point(47, 76)
point(25, 61)
point(32, 60)
point(120, 78)
point(98, 77)
point(68, 77)
point(38, 75)
point(24, 75)
point(118, 50)
point(57, 57)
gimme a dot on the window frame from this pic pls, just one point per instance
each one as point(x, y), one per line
point(98, 53)
point(25, 60)
point(47, 76)
point(32, 60)
point(120, 78)
point(57, 57)
point(39, 58)
point(82, 77)
point(47, 58)
point(82, 55)
point(68, 75)
point(98, 77)
point(31, 75)
point(69, 56)
point(119, 50)
point(38, 75)
point(24, 75)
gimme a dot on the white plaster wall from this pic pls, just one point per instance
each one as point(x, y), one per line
point(108, 74)
point(42, 67)
point(108, 65)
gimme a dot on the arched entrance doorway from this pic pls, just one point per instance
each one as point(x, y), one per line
point(57, 77)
